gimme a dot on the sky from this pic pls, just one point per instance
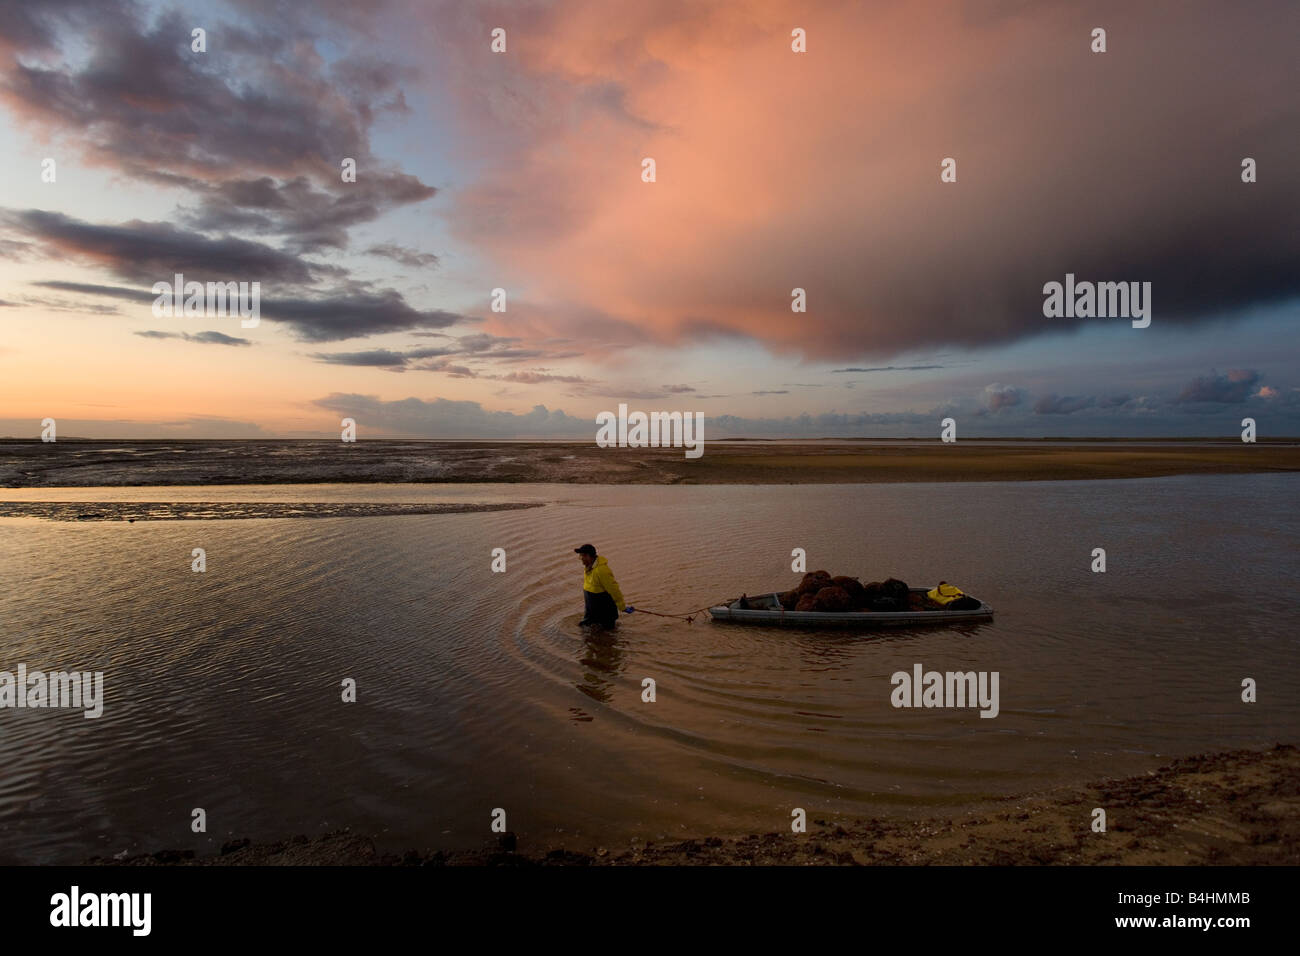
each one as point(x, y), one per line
point(130, 156)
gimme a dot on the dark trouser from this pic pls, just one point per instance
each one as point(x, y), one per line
point(600, 608)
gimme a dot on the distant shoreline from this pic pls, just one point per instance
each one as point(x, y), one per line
point(851, 439)
point(1240, 807)
point(64, 464)
point(132, 511)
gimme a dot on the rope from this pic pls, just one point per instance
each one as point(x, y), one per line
point(688, 617)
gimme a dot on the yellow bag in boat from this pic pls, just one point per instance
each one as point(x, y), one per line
point(945, 594)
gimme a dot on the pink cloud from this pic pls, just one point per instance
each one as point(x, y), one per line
point(820, 170)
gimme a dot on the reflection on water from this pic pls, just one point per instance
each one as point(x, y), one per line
point(602, 660)
point(478, 690)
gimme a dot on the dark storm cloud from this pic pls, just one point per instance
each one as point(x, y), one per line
point(351, 315)
point(889, 368)
point(311, 218)
point(443, 418)
point(204, 338)
point(110, 291)
point(54, 304)
point(1053, 404)
point(403, 255)
point(536, 378)
point(149, 252)
point(325, 17)
point(827, 424)
point(708, 329)
point(260, 101)
point(256, 100)
point(998, 397)
point(378, 358)
point(1116, 166)
point(1229, 389)
point(450, 359)
point(618, 393)
point(35, 27)
point(483, 342)
point(1062, 404)
point(154, 252)
point(216, 338)
point(1109, 179)
point(142, 98)
point(519, 355)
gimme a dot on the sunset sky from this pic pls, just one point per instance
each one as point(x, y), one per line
point(522, 170)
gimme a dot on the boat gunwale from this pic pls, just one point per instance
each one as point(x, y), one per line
point(780, 616)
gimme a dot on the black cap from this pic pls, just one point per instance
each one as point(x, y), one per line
point(585, 549)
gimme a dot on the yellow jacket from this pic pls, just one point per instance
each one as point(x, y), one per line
point(600, 578)
point(944, 594)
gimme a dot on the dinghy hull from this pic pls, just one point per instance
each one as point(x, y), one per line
point(766, 610)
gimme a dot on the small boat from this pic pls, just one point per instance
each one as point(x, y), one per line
point(766, 609)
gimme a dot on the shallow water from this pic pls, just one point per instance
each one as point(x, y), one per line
point(477, 690)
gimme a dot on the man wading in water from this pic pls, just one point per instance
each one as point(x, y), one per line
point(599, 590)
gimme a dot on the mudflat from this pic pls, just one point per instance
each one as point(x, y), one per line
point(981, 462)
point(32, 464)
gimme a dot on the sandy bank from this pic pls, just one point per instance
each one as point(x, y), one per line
point(1241, 807)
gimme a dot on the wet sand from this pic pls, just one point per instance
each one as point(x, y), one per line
point(978, 462)
point(32, 464)
point(1236, 808)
